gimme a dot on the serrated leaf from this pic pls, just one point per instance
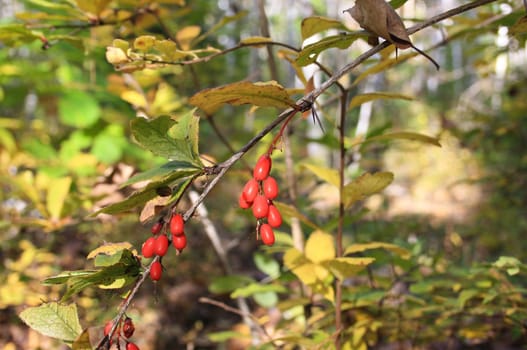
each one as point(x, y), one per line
point(343, 268)
point(316, 24)
point(288, 211)
point(328, 175)
point(404, 135)
point(153, 136)
point(359, 99)
point(54, 320)
point(109, 249)
point(262, 94)
point(256, 40)
point(57, 193)
point(320, 247)
point(364, 186)
point(310, 53)
point(255, 288)
point(361, 247)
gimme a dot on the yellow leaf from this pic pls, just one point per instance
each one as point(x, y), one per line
point(57, 193)
point(365, 185)
point(343, 268)
point(295, 261)
point(316, 24)
point(109, 249)
point(263, 94)
point(115, 55)
point(326, 174)
point(144, 42)
point(360, 247)
point(256, 40)
point(134, 98)
point(357, 100)
point(289, 211)
point(186, 35)
point(320, 247)
point(402, 135)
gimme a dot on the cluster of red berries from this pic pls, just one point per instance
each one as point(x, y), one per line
point(258, 194)
point(125, 328)
point(157, 245)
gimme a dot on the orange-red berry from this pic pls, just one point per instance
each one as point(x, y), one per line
point(262, 168)
point(179, 242)
point(161, 245)
point(270, 188)
point(260, 207)
point(177, 226)
point(131, 346)
point(274, 218)
point(148, 247)
point(156, 228)
point(128, 327)
point(243, 203)
point(250, 190)
point(155, 271)
point(267, 234)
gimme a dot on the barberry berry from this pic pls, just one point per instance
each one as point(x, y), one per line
point(128, 327)
point(156, 228)
point(274, 218)
point(260, 207)
point(250, 190)
point(155, 271)
point(267, 234)
point(270, 188)
point(131, 346)
point(179, 242)
point(177, 226)
point(148, 247)
point(262, 168)
point(161, 245)
point(243, 203)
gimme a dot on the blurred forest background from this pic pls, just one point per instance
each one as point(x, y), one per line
point(460, 209)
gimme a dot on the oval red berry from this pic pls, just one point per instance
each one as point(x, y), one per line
point(177, 225)
point(148, 247)
point(250, 190)
point(243, 203)
point(155, 271)
point(270, 188)
point(267, 234)
point(161, 245)
point(179, 242)
point(108, 327)
point(262, 168)
point(274, 218)
point(156, 228)
point(128, 327)
point(131, 346)
point(260, 207)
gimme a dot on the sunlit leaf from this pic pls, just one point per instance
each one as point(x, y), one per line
point(64, 276)
point(255, 288)
point(313, 25)
point(343, 268)
point(186, 34)
point(364, 186)
point(144, 42)
point(57, 193)
point(320, 246)
point(359, 99)
point(264, 94)
point(164, 171)
point(328, 175)
point(403, 135)
point(109, 249)
point(256, 40)
point(295, 261)
point(310, 53)
point(54, 320)
point(289, 211)
point(361, 247)
point(78, 109)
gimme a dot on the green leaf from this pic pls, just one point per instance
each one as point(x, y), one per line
point(15, 34)
point(64, 276)
point(267, 264)
point(316, 24)
point(54, 320)
point(403, 135)
point(397, 3)
point(328, 175)
point(320, 247)
point(364, 186)
point(220, 337)
point(383, 65)
point(361, 247)
point(359, 99)
point(162, 172)
point(262, 94)
point(310, 53)
point(266, 299)
point(78, 109)
point(187, 128)
point(343, 268)
point(466, 295)
point(229, 283)
point(288, 211)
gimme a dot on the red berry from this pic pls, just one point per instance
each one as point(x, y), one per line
point(262, 168)
point(270, 188)
point(177, 226)
point(274, 218)
point(156, 228)
point(108, 327)
point(260, 207)
point(131, 346)
point(155, 271)
point(243, 203)
point(148, 247)
point(161, 245)
point(179, 242)
point(267, 234)
point(250, 190)
point(128, 327)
